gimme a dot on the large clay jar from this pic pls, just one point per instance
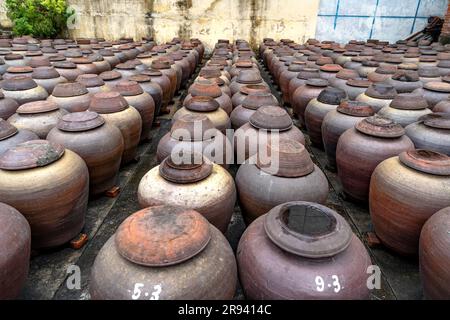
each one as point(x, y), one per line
point(196, 133)
point(378, 96)
point(362, 148)
point(289, 171)
point(405, 81)
point(194, 182)
point(67, 69)
point(109, 56)
point(405, 192)
point(164, 82)
point(8, 107)
point(431, 132)
point(111, 78)
point(126, 69)
point(49, 185)
point(17, 72)
point(367, 67)
point(382, 74)
point(300, 80)
point(164, 68)
point(38, 117)
point(23, 89)
point(302, 250)
point(336, 122)
point(83, 133)
point(434, 92)
point(304, 94)
point(85, 65)
point(15, 243)
point(245, 91)
point(154, 249)
point(151, 88)
point(429, 74)
point(141, 101)
point(47, 77)
point(208, 88)
point(434, 256)
point(93, 83)
point(116, 111)
point(406, 108)
point(287, 75)
point(10, 136)
point(328, 100)
point(242, 113)
point(265, 122)
point(244, 78)
point(73, 97)
point(207, 106)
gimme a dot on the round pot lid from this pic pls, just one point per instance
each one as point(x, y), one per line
point(426, 161)
point(18, 83)
point(202, 104)
point(108, 102)
point(67, 90)
point(271, 118)
point(45, 73)
point(316, 82)
point(19, 70)
point(370, 64)
point(37, 107)
point(332, 68)
point(307, 229)
point(406, 76)
point(409, 66)
point(321, 61)
point(253, 88)
point(359, 83)
point(185, 167)
point(140, 78)
point(73, 54)
point(162, 236)
point(6, 130)
point(409, 101)
point(81, 60)
point(377, 126)
point(110, 75)
point(296, 66)
point(90, 80)
point(285, 158)
point(429, 72)
point(386, 70)
point(355, 109)
point(129, 88)
point(160, 64)
point(244, 64)
point(152, 73)
point(437, 86)
point(256, 100)
point(249, 77)
point(80, 121)
point(210, 72)
point(437, 120)
point(381, 91)
point(64, 65)
point(205, 88)
point(126, 66)
point(308, 73)
point(346, 74)
point(332, 96)
point(193, 127)
point(13, 56)
point(31, 154)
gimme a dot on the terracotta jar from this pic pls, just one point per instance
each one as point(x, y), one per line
point(300, 80)
point(12, 72)
point(405, 192)
point(287, 75)
point(38, 117)
point(141, 101)
point(289, 171)
point(329, 71)
point(241, 65)
point(147, 58)
point(362, 148)
point(381, 74)
point(244, 78)
point(336, 122)
point(242, 113)
point(126, 69)
point(244, 91)
point(101, 64)
point(150, 87)
point(109, 56)
point(328, 100)
point(406, 108)
point(255, 134)
point(367, 67)
point(154, 249)
point(434, 92)
point(10, 136)
point(15, 60)
point(434, 256)
point(67, 70)
point(378, 96)
point(176, 68)
point(83, 133)
point(196, 133)
point(405, 81)
point(180, 61)
point(429, 74)
point(47, 77)
point(15, 243)
point(341, 78)
point(207, 106)
point(164, 82)
point(164, 68)
point(85, 65)
point(113, 107)
point(93, 83)
point(8, 106)
point(23, 89)
point(211, 72)
point(49, 185)
point(111, 78)
point(304, 94)
point(431, 132)
point(302, 250)
point(73, 97)
point(355, 87)
point(208, 88)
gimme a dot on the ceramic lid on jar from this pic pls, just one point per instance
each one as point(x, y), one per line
point(108, 102)
point(31, 154)
point(271, 118)
point(429, 72)
point(162, 236)
point(210, 72)
point(185, 167)
point(244, 64)
point(346, 74)
point(321, 61)
point(308, 73)
point(317, 82)
point(65, 65)
point(193, 127)
point(13, 56)
point(408, 67)
point(160, 64)
point(370, 64)
point(205, 88)
point(332, 96)
point(37, 107)
point(202, 104)
point(332, 68)
point(355, 109)
point(307, 229)
point(20, 69)
point(249, 77)
point(6, 130)
point(437, 86)
point(67, 90)
point(80, 121)
point(409, 101)
point(256, 100)
point(45, 72)
point(152, 73)
point(426, 161)
point(140, 78)
point(381, 91)
point(18, 83)
point(437, 120)
point(381, 127)
point(406, 76)
point(110, 75)
point(359, 83)
point(254, 88)
point(90, 80)
point(129, 88)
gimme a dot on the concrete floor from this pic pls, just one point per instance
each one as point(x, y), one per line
point(48, 270)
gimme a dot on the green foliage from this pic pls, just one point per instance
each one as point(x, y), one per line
point(38, 18)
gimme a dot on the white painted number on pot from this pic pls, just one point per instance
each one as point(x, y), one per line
point(139, 288)
point(137, 291)
point(321, 285)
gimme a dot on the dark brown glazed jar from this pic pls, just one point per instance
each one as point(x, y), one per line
point(301, 251)
point(300, 80)
point(434, 256)
point(154, 249)
point(8, 106)
point(47, 77)
point(328, 100)
point(378, 96)
point(208, 88)
point(336, 122)
point(242, 113)
point(67, 70)
point(362, 148)
point(406, 108)
point(93, 83)
point(83, 133)
point(73, 97)
point(164, 82)
point(113, 107)
point(289, 171)
point(49, 185)
point(434, 92)
point(10, 136)
point(141, 101)
point(150, 87)
point(304, 94)
point(244, 78)
point(15, 246)
point(405, 191)
point(164, 68)
point(23, 89)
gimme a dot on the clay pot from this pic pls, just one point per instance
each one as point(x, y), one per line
point(116, 111)
point(47, 77)
point(150, 87)
point(304, 94)
point(378, 96)
point(429, 74)
point(13, 72)
point(287, 75)
point(367, 67)
point(73, 97)
point(405, 81)
point(83, 133)
point(329, 71)
point(240, 66)
point(8, 107)
point(443, 106)
point(302, 250)
point(164, 68)
point(336, 122)
point(109, 56)
point(174, 67)
point(406, 108)
point(434, 92)
point(328, 100)
point(67, 70)
point(164, 82)
point(434, 256)
point(405, 192)
point(341, 78)
point(49, 185)
point(15, 242)
point(382, 74)
point(93, 83)
point(288, 169)
point(101, 64)
point(355, 87)
point(23, 89)
point(362, 148)
point(208, 88)
point(141, 101)
point(10, 136)
point(300, 80)
point(38, 117)
point(242, 113)
point(111, 78)
point(15, 60)
point(185, 244)
point(127, 69)
point(244, 78)
point(85, 65)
